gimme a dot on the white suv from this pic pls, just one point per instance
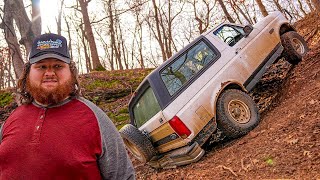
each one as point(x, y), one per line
point(201, 91)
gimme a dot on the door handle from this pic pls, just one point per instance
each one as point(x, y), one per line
point(238, 49)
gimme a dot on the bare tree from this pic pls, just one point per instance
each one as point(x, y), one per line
point(6, 78)
point(14, 11)
point(84, 44)
point(276, 2)
point(310, 5)
point(301, 8)
point(160, 24)
point(225, 11)
point(137, 10)
point(58, 19)
point(203, 16)
point(69, 36)
point(237, 7)
point(262, 8)
point(233, 6)
point(316, 4)
point(113, 36)
point(249, 13)
point(96, 65)
point(293, 11)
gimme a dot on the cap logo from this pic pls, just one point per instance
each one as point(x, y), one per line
point(42, 45)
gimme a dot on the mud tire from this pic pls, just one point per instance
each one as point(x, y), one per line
point(295, 47)
point(237, 113)
point(137, 143)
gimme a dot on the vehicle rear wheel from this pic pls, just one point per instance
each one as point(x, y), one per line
point(137, 143)
point(295, 47)
point(237, 113)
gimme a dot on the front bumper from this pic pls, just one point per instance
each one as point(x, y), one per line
point(178, 157)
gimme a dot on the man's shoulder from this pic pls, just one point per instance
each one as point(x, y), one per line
point(20, 111)
point(89, 104)
point(22, 108)
point(99, 113)
point(86, 101)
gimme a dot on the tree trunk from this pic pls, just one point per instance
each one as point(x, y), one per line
point(310, 5)
point(14, 11)
point(301, 8)
point(141, 61)
point(96, 65)
point(11, 37)
point(226, 11)
point(276, 2)
point(115, 49)
point(159, 37)
point(262, 8)
point(316, 4)
point(233, 6)
point(247, 14)
point(203, 24)
point(138, 30)
point(86, 54)
point(58, 20)
point(123, 47)
point(248, 19)
point(69, 37)
point(24, 24)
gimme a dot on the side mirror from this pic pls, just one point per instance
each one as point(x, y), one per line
point(247, 30)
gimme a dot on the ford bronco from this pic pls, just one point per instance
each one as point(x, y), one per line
point(200, 92)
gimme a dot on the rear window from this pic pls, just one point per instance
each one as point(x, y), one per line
point(146, 107)
point(187, 66)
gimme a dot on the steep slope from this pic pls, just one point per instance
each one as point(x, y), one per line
point(284, 145)
point(286, 142)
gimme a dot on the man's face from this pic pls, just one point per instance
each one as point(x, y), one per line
point(49, 81)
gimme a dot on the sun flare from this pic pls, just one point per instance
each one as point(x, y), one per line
point(49, 11)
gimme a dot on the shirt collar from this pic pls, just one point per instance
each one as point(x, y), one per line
point(65, 101)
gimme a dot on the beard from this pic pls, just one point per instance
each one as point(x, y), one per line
point(50, 96)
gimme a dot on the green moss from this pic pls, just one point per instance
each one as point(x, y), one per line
point(117, 118)
point(102, 84)
point(124, 110)
point(100, 68)
point(5, 98)
point(269, 160)
point(122, 117)
point(120, 120)
point(120, 126)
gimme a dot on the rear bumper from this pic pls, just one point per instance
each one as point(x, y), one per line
point(178, 157)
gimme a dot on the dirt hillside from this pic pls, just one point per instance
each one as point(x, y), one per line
point(286, 143)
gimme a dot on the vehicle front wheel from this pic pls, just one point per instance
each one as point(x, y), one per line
point(295, 47)
point(237, 113)
point(137, 143)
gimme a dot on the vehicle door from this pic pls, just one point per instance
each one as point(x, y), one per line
point(251, 50)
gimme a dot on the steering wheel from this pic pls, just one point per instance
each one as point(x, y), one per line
point(230, 40)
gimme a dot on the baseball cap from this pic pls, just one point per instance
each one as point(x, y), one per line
point(49, 46)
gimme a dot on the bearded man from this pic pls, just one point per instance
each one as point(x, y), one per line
point(55, 133)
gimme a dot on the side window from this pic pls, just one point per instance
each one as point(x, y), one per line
point(146, 107)
point(187, 66)
point(230, 34)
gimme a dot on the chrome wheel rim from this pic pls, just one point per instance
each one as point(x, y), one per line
point(298, 46)
point(239, 111)
point(134, 150)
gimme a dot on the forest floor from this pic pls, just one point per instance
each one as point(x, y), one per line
point(286, 143)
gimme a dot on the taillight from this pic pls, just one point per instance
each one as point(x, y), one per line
point(179, 127)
